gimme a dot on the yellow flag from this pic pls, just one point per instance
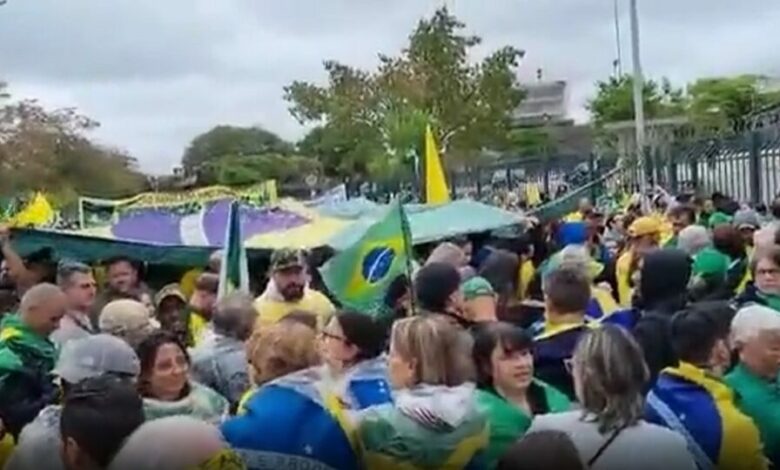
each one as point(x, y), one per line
point(532, 194)
point(436, 191)
point(37, 213)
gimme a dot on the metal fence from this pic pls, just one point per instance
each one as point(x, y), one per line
point(554, 175)
point(745, 166)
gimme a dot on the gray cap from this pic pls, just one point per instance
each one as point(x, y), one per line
point(96, 355)
point(747, 218)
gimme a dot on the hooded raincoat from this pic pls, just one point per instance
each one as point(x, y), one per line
point(427, 427)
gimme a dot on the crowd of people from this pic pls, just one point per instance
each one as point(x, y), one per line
point(647, 337)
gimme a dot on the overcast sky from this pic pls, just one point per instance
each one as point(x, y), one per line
point(156, 73)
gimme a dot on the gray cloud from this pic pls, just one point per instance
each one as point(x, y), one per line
point(156, 73)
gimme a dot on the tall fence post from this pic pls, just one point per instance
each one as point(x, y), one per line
point(478, 177)
point(673, 183)
point(694, 162)
point(755, 167)
point(453, 184)
point(546, 176)
point(592, 176)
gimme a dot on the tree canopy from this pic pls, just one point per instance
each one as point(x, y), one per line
point(50, 150)
point(718, 104)
point(371, 123)
point(614, 100)
point(234, 155)
point(710, 104)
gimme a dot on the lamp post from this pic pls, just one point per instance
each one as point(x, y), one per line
point(639, 109)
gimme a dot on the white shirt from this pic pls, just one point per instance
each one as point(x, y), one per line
point(644, 446)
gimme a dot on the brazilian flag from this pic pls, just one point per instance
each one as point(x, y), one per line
point(359, 275)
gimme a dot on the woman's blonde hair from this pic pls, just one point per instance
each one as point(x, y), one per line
point(439, 350)
point(612, 374)
point(280, 349)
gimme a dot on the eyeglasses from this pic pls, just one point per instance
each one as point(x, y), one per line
point(328, 335)
point(568, 364)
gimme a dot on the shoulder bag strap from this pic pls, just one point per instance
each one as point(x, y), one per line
point(673, 422)
point(604, 447)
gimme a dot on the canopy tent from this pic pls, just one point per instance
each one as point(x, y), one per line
point(171, 236)
point(166, 236)
point(434, 222)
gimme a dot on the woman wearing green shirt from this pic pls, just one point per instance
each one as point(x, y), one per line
point(508, 394)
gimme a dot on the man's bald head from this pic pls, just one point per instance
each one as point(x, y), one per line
point(42, 307)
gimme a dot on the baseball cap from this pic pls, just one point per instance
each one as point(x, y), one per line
point(171, 290)
point(718, 218)
point(96, 355)
point(747, 218)
point(710, 263)
point(477, 287)
point(644, 226)
point(285, 258)
point(125, 315)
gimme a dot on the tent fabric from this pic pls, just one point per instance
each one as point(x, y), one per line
point(91, 248)
point(437, 222)
point(188, 240)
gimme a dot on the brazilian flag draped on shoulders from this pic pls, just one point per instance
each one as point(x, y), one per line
point(360, 275)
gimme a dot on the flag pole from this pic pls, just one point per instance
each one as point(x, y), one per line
point(408, 246)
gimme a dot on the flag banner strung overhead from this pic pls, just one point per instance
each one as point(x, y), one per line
point(359, 275)
point(234, 273)
point(95, 212)
point(36, 212)
point(436, 191)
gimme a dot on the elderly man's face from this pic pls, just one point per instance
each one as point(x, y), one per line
point(767, 276)
point(762, 354)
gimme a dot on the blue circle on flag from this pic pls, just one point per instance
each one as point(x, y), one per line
point(377, 263)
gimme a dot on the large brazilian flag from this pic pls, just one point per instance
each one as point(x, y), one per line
point(359, 275)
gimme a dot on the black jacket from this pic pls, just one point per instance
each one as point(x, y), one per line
point(662, 293)
point(23, 394)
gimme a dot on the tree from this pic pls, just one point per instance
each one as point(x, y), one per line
point(720, 104)
point(205, 152)
point(49, 150)
point(371, 122)
point(234, 170)
point(614, 100)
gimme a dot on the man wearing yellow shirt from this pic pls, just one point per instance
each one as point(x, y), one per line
point(644, 235)
point(287, 290)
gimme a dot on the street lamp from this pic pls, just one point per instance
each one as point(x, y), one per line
point(639, 109)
